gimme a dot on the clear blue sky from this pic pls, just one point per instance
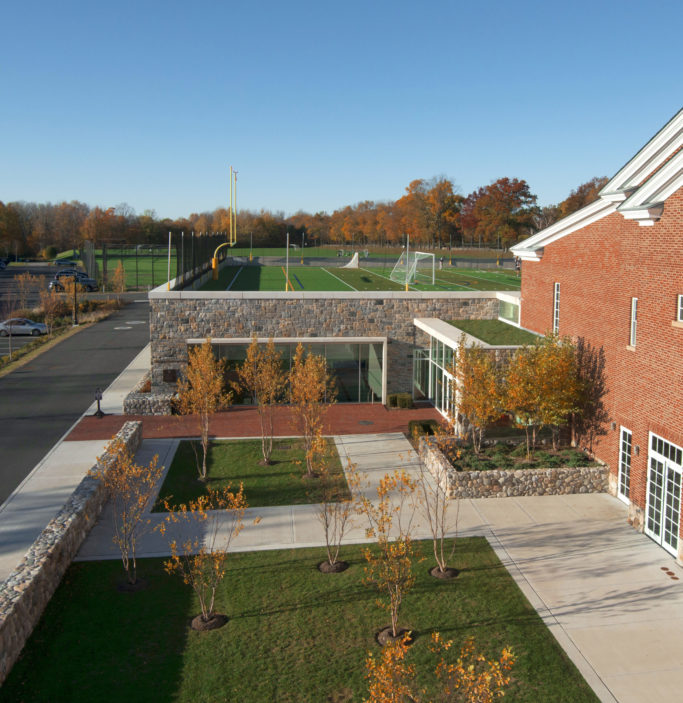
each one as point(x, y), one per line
point(322, 104)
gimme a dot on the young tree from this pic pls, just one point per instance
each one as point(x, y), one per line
point(389, 676)
point(437, 508)
point(27, 284)
point(334, 512)
point(591, 416)
point(72, 288)
point(118, 279)
point(390, 521)
point(523, 393)
point(129, 487)
point(53, 306)
point(311, 391)
point(201, 393)
point(558, 383)
point(479, 390)
point(262, 375)
point(201, 560)
point(471, 678)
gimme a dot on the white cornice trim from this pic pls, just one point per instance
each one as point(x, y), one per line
point(666, 142)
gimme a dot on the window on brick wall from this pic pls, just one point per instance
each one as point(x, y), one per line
point(679, 313)
point(556, 308)
point(634, 321)
point(625, 450)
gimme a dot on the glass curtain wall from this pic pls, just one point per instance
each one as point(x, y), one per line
point(432, 376)
point(356, 368)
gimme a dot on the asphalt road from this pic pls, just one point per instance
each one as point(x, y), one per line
point(40, 401)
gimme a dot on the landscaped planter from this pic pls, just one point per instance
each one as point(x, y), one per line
point(509, 483)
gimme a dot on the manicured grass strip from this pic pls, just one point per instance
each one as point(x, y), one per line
point(225, 277)
point(235, 461)
point(345, 284)
point(293, 635)
point(495, 332)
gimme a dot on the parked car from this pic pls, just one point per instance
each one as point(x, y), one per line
point(90, 284)
point(3, 265)
point(20, 325)
point(68, 273)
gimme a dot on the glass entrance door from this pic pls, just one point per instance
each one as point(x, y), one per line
point(664, 493)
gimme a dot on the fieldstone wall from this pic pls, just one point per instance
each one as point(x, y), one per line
point(28, 589)
point(180, 315)
point(505, 484)
point(138, 402)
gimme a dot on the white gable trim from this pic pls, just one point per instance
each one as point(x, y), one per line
point(666, 142)
point(647, 203)
point(531, 249)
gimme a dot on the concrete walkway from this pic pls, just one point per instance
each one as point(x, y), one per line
point(610, 596)
point(42, 494)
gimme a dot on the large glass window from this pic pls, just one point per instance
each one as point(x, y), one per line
point(357, 368)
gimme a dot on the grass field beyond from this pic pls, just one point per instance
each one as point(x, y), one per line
point(315, 278)
point(237, 461)
point(294, 635)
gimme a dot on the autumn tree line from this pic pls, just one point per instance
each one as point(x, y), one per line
point(432, 212)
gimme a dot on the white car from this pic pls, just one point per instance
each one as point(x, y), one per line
point(20, 325)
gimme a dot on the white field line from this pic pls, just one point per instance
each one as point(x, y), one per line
point(339, 279)
point(239, 271)
point(383, 277)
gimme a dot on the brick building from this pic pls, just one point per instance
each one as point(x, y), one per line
point(612, 273)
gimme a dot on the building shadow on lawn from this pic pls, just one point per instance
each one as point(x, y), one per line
point(97, 643)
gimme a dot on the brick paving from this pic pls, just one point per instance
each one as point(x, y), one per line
point(244, 422)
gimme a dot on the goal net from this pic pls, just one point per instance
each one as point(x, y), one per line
point(416, 267)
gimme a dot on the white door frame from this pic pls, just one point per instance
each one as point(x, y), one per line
point(658, 512)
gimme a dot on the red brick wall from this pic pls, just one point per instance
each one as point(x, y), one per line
point(600, 268)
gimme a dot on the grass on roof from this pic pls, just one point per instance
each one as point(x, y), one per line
point(495, 332)
point(293, 634)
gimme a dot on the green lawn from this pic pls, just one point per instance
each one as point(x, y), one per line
point(495, 332)
point(293, 634)
point(235, 461)
point(141, 271)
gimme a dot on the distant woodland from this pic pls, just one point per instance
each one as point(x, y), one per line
point(431, 211)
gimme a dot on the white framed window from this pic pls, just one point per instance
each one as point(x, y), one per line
point(625, 452)
point(679, 309)
point(556, 308)
point(634, 321)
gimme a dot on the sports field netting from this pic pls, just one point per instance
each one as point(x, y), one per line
point(313, 278)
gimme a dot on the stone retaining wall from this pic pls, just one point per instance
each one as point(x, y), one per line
point(504, 484)
point(147, 403)
point(28, 589)
point(177, 316)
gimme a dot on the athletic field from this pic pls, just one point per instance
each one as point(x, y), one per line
point(314, 278)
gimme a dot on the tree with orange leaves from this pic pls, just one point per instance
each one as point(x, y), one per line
point(311, 389)
point(129, 487)
point(201, 560)
point(201, 393)
point(479, 390)
point(390, 521)
point(262, 376)
point(472, 678)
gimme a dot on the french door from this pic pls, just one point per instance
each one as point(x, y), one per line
point(665, 466)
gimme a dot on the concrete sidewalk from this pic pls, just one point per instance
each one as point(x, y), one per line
point(610, 596)
point(42, 494)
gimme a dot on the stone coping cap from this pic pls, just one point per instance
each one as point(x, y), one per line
point(160, 293)
point(289, 340)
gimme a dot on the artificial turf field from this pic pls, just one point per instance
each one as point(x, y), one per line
point(314, 278)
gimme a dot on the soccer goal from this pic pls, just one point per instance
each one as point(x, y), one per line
point(415, 267)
